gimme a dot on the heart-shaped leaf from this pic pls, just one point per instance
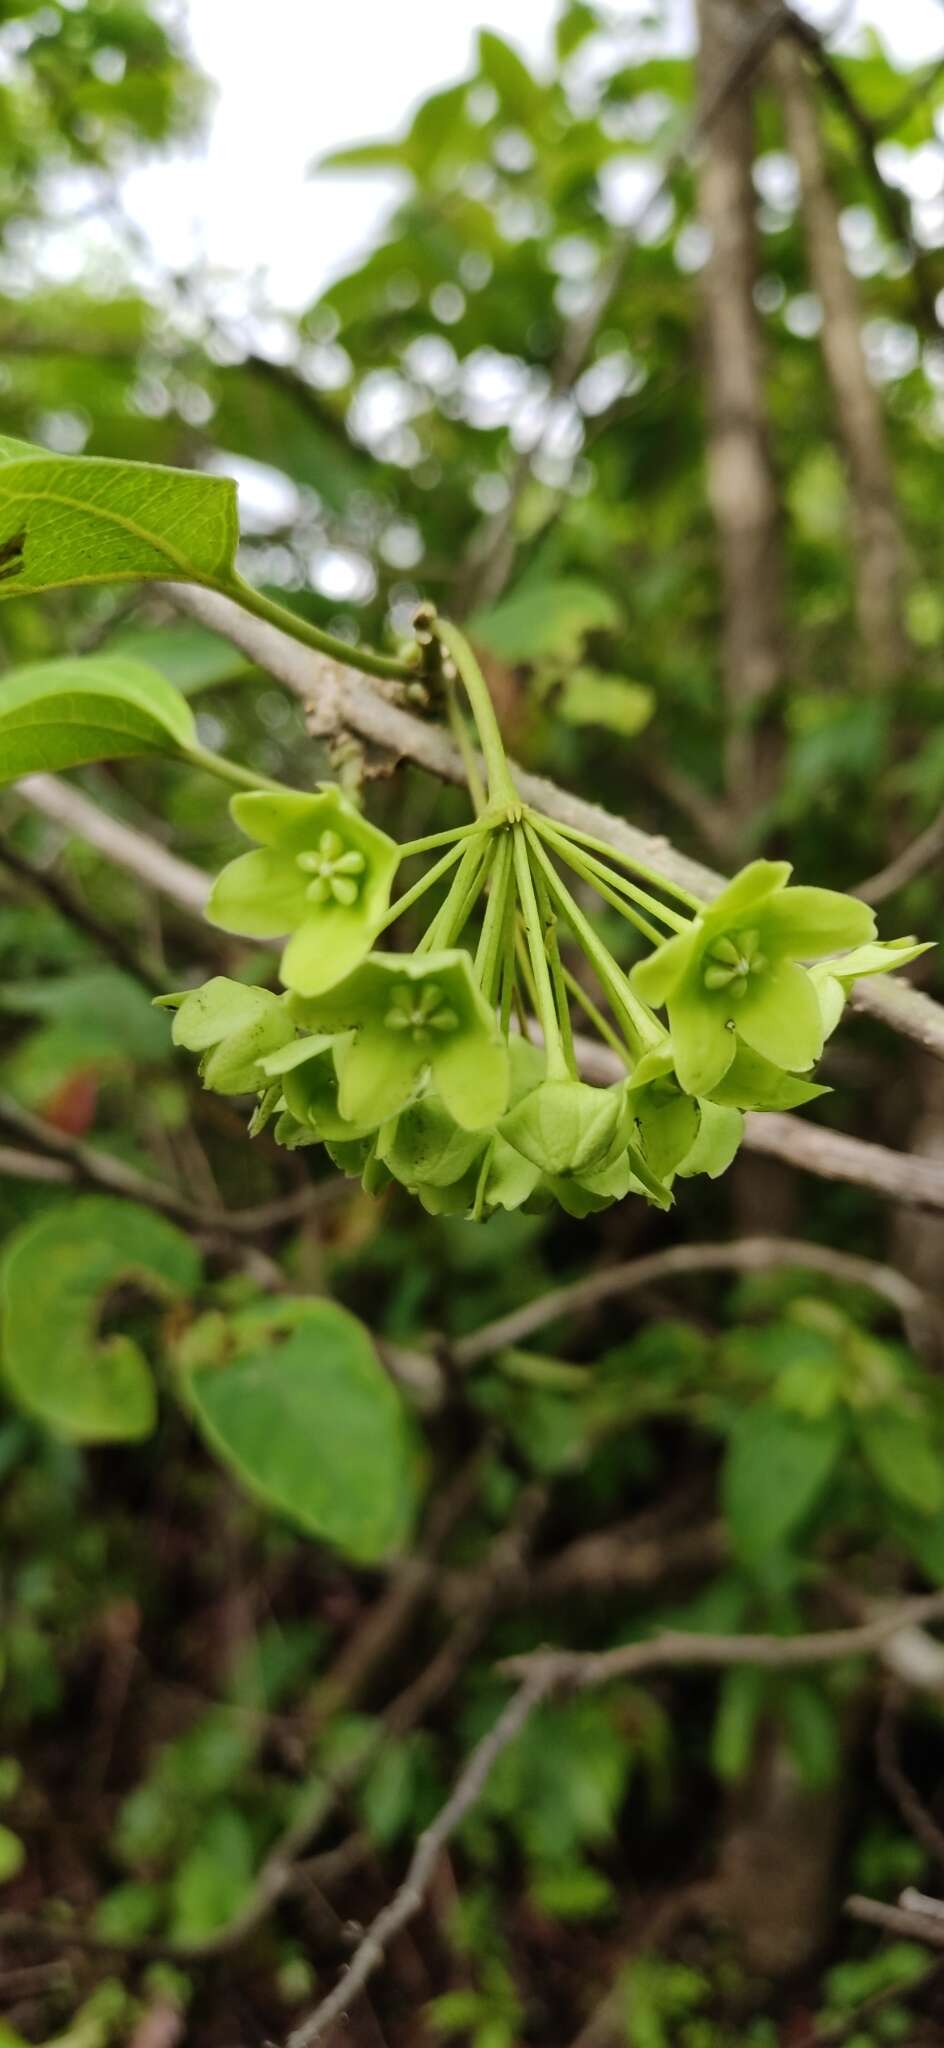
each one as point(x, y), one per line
point(67, 519)
point(293, 1398)
point(56, 1274)
point(59, 714)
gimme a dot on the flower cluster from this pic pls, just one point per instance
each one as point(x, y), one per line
point(453, 1069)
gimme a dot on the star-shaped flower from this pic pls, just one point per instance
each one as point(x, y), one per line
point(734, 976)
point(415, 1016)
point(320, 872)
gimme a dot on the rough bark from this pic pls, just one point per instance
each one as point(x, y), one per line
point(776, 1884)
point(742, 485)
point(879, 547)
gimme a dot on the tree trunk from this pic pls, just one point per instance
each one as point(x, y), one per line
point(742, 485)
point(879, 549)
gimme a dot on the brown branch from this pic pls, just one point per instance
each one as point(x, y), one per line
point(546, 1672)
point(408, 1900)
point(868, 136)
point(120, 843)
point(66, 900)
point(911, 861)
point(103, 1170)
point(896, 1176)
point(879, 555)
point(742, 485)
point(583, 1670)
point(746, 1255)
point(896, 1920)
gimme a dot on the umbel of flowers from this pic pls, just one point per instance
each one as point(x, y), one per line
point(453, 1069)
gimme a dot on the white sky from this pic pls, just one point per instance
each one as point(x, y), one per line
point(298, 77)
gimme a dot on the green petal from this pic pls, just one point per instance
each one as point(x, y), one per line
point(297, 1054)
point(260, 895)
point(883, 957)
point(208, 1014)
point(472, 1073)
point(325, 949)
point(832, 997)
point(378, 1076)
point(702, 1044)
point(510, 1178)
point(757, 882)
point(755, 1083)
point(233, 1067)
point(806, 922)
point(780, 1017)
point(667, 1129)
point(719, 1135)
point(290, 819)
point(424, 1146)
point(657, 978)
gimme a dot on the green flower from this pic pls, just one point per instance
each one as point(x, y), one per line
point(415, 1017)
point(567, 1126)
point(320, 872)
point(734, 977)
point(234, 1027)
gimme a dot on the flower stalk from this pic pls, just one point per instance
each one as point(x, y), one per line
point(422, 1066)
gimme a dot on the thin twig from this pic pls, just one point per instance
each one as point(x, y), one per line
point(896, 1920)
point(546, 1672)
point(103, 1170)
point(408, 1900)
point(746, 1255)
point(911, 861)
point(582, 1670)
point(123, 844)
point(69, 904)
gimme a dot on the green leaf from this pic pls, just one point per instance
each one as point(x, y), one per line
point(188, 655)
point(213, 1880)
point(545, 619)
point(80, 519)
point(812, 1728)
point(297, 1404)
point(60, 714)
point(12, 1854)
point(741, 1697)
point(903, 1458)
point(519, 93)
point(57, 1272)
point(776, 1469)
point(589, 698)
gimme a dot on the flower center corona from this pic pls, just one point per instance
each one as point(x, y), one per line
point(336, 871)
point(731, 961)
point(420, 1012)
